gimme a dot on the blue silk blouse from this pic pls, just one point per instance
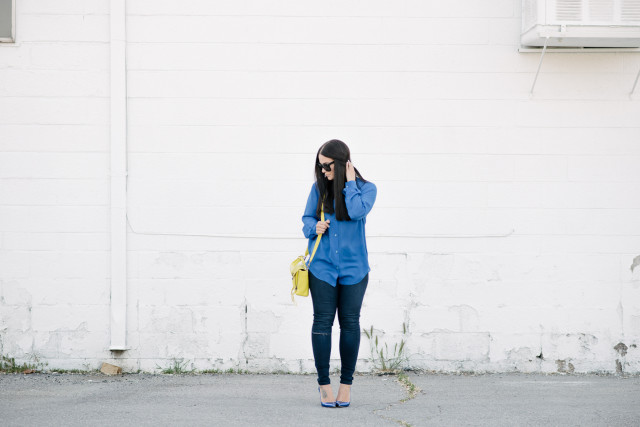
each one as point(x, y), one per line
point(342, 255)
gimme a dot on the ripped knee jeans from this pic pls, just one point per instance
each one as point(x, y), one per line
point(347, 301)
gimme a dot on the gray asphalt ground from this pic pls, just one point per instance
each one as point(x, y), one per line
point(292, 400)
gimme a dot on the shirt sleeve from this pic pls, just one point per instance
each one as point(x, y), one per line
point(359, 201)
point(309, 218)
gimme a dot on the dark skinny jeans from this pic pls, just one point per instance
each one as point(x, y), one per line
point(347, 300)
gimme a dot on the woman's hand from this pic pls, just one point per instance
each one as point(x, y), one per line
point(351, 171)
point(322, 226)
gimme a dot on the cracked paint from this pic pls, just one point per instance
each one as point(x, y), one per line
point(564, 366)
point(621, 348)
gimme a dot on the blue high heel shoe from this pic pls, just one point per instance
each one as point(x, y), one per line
point(341, 404)
point(326, 404)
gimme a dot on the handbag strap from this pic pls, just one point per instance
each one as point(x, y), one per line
point(315, 248)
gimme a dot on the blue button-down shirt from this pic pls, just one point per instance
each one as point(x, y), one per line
point(342, 253)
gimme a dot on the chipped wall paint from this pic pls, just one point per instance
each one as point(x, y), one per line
point(505, 234)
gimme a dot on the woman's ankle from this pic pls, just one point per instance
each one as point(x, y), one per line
point(344, 392)
point(326, 393)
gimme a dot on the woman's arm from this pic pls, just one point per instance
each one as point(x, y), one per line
point(359, 201)
point(309, 218)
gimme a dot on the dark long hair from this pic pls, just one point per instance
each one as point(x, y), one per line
point(339, 152)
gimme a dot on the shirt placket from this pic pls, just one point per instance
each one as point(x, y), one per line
point(334, 236)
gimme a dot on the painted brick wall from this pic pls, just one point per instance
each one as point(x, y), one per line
point(504, 230)
point(54, 193)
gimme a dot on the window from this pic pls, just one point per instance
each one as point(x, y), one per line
point(7, 21)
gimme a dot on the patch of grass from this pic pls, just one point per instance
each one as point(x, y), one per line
point(74, 371)
point(228, 371)
point(281, 372)
point(236, 371)
point(387, 360)
point(412, 391)
point(177, 366)
point(8, 365)
point(411, 388)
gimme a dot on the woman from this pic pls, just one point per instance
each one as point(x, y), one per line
point(339, 271)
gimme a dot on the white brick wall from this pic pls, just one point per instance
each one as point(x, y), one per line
point(505, 223)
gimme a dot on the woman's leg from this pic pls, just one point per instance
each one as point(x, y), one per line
point(349, 304)
point(324, 298)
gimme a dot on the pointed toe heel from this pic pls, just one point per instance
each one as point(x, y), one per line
point(341, 404)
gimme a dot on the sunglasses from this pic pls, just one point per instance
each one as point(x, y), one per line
point(326, 166)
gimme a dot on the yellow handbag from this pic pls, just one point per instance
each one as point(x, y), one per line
point(300, 270)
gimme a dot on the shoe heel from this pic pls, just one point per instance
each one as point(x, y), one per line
point(341, 404)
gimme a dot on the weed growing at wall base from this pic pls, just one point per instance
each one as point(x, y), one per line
point(228, 371)
point(387, 359)
point(8, 365)
point(177, 366)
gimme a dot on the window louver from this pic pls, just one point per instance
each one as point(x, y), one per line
point(569, 10)
point(581, 23)
point(630, 11)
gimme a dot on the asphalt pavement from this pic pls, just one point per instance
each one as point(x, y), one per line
point(511, 399)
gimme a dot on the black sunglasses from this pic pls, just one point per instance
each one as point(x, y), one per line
point(326, 166)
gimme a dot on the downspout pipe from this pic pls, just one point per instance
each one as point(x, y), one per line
point(118, 176)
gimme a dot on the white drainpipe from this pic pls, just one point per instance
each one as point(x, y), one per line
point(118, 175)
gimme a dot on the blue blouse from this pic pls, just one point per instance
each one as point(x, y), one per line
point(342, 253)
